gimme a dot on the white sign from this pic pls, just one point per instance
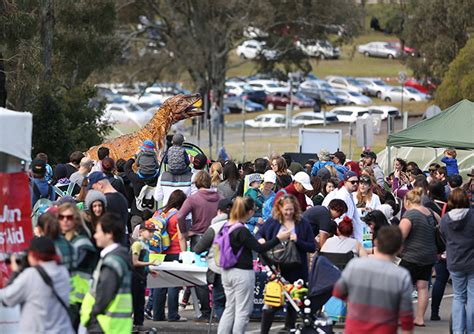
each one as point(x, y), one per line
point(313, 140)
point(365, 131)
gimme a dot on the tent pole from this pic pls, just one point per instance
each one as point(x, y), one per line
point(389, 159)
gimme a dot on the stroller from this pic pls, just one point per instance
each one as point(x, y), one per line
point(322, 277)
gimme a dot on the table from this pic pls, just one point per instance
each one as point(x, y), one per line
point(175, 274)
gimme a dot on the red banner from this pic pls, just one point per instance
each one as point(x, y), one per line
point(16, 230)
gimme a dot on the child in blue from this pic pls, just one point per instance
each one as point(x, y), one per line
point(255, 181)
point(450, 160)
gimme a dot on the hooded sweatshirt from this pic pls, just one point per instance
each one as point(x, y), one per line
point(457, 227)
point(203, 206)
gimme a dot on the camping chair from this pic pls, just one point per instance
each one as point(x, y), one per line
point(340, 260)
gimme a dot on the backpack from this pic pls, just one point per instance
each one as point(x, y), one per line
point(145, 201)
point(273, 295)
point(223, 254)
point(42, 204)
point(161, 240)
point(282, 190)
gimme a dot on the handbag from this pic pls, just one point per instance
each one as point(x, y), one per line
point(285, 254)
point(439, 240)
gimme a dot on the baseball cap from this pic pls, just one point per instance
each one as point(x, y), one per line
point(225, 205)
point(199, 161)
point(269, 176)
point(38, 166)
point(303, 178)
point(255, 177)
point(94, 178)
point(369, 154)
point(147, 225)
point(349, 174)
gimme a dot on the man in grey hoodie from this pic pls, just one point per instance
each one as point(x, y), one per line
point(457, 227)
point(41, 310)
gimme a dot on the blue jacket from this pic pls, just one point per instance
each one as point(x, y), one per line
point(304, 242)
point(318, 165)
point(451, 165)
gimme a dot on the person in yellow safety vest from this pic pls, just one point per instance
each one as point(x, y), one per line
point(85, 257)
point(107, 307)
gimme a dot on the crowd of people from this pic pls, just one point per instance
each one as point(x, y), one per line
point(98, 223)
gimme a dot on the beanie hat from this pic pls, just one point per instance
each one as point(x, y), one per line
point(323, 155)
point(199, 161)
point(43, 249)
point(255, 177)
point(178, 139)
point(60, 172)
point(38, 166)
point(148, 145)
point(92, 196)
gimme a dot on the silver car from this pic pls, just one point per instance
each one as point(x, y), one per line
point(375, 87)
point(378, 49)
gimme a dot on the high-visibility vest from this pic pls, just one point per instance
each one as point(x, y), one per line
point(117, 318)
point(80, 280)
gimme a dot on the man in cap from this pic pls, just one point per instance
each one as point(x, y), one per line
point(300, 185)
point(40, 187)
point(85, 168)
point(41, 310)
point(116, 202)
point(369, 159)
point(351, 184)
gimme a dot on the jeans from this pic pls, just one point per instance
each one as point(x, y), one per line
point(239, 287)
point(159, 298)
point(463, 302)
point(202, 291)
point(218, 296)
point(442, 276)
point(138, 299)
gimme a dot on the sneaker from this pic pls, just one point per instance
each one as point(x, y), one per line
point(202, 319)
point(138, 328)
point(148, 314)
point(435, 317)
point(180, 319)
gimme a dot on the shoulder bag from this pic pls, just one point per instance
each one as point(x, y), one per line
point(285, 254)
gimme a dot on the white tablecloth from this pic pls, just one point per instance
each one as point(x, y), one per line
point(175, 274)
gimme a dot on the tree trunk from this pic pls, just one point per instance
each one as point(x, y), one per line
point(47, 35)
point(3, 83)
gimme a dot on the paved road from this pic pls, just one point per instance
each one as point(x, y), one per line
point(432, 327)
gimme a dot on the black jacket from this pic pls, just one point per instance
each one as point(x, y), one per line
point(137, 184)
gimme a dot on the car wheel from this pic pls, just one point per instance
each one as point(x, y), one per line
point(379, 95)
point(390, 56)
point(270, 107)
point(351, 103)
point(366, 54)
point(412, 100)
point(387, 99)
point(322, 57)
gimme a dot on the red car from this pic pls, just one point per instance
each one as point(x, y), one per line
point(280, 100)
point(406, 49)
point(424, 87)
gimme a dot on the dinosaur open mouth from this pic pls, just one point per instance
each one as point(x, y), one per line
point(195, 109)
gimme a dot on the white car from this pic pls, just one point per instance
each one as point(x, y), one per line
point(409, 94)
point(306, 118)
point(349, 114)
point(237, 87)
point(269, 86)
point(267, 121)
point(124, 113)
point(252, 49)
point(375, 87)
point(378, 49)
point(352, 97)
point(384, 111)
point(349, 84)
point(319, 48)
point(314, 84)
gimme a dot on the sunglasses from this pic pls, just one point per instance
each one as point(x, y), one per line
point(68, 217)
point(354, 182)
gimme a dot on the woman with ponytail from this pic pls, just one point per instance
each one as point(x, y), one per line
point(216, 174)
point(239, 281)
point(419, 248)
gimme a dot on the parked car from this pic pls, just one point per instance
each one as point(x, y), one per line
point(269, 86)
point(426, 87)
point(384, 111)
point(375, 87)
point(349, 114)
point(126, 113)
point(237, 87)
point(280, 100)
point(314, 84)
point(326, 97)
point(321, 49)
point(409, 94)
point(346, 83)
point(352, 97)
point(235, 103)
point(406, 49)
point(378, 49)
point(267, 121)
point(306, 118)
point(252, 49)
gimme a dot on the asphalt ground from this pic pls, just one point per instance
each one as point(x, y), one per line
point(433, 327)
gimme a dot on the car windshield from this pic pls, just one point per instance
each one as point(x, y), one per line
point(412, 90)
point(327, 93)
point(353, 82)
point(355, 94)
point(325, 44)
point(300, 96)
point(133, 108)
point(379, 82)
point(272, 85)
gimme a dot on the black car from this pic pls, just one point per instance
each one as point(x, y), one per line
point(325, 96)
point(257, 96)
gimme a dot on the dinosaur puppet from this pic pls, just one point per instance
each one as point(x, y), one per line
point(174, 109)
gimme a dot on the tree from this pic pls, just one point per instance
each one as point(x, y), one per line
point(50, 49)
point(458, 82)
point(438, 29)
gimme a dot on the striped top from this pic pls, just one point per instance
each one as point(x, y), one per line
point(378, 294)
point(420, 244)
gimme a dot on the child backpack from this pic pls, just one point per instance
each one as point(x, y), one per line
point(42, 203)
point(273, 295)
point(161, 239)
point(223, 254)
point(145, 201)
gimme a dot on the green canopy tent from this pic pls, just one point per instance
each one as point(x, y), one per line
point(454, 127)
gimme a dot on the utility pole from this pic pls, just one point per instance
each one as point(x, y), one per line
point(47, 35)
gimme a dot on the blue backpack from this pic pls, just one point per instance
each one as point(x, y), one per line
point(161, 239)
point(223, 253)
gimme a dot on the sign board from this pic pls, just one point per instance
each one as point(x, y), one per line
point(365, 131)
point(16, 230)
point(402, 76)
point(313, 140)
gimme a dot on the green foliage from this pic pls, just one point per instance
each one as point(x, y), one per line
point(458, 83)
